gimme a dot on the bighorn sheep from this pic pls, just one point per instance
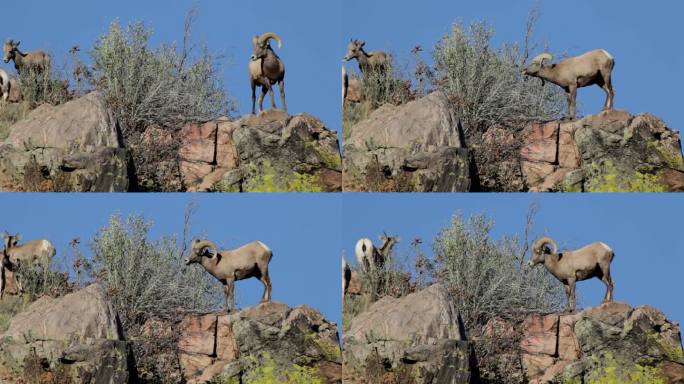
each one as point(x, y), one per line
point(368, 61)
point(35, 252)
point(346, 276)
point(593, 67)
point(266, 69)
point(4, 85)
point(592, 260)
point(39, 60)
point(370, 258)
point(352, 88)
point(249, 260)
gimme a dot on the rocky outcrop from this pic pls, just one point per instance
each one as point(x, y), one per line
point(268, 152)
point(419, 335)
point(413, 147)
point(76, 337)
point(266, 343)
point(611, 151)
point(611, 343)
point(72, 147)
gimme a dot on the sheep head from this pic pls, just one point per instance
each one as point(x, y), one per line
point(536, 66)
point(10, 50)
point(354, 49)
point(200, 249)
point(388, 241)
point(540, 249)
point(10, 240)
point(261, 45)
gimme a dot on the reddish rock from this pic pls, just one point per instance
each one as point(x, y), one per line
point(226, 345)
point(534, 366)
point(540, 334)
point(568, 345)
point(540, 142)
point(226, 154)
point(535, 173)
point(194, 365)
point(553, 181)
point(198, 142)
point(568, 155)
point(198, 334)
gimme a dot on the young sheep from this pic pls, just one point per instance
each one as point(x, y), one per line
point(590, 261)
point(35, 252)
point(265, 70)
point(39, 60)
point(352, 88)
point(346, 276)
point(370, 258)
point(230, 265)
point(593, 67)
point(368, 61)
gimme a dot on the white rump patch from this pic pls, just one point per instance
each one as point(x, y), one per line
point(264, 245)
point(607, 54)
point(606, 246)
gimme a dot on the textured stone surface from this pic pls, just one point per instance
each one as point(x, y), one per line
point(78, 334)
point(267, 342)
point(418, 145)
point(420, 332)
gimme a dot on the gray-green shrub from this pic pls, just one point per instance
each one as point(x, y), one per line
point(485, 276)
point(485, 84)
point(145, 278)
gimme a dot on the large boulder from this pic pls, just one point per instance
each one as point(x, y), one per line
point(271, 151)
point(77, 336)
point(419, 335)
point(417, 145)
point(610, 151)
point(609, 343)
point(71, 147)
point(266, 343)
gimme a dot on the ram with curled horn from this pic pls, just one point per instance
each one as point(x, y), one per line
point(266, 69)
point(593, 67)
point(569, 267)
point(231, 265)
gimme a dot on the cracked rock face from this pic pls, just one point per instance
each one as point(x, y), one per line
point(267, 342)
point(609, 343)
point(417, 145)
point(269, 152)
point(611, 151)
point(77, 335)
point(419, 335)
point(71, 147)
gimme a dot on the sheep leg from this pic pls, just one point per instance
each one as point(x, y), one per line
point(229, 293)
point(609, 286)
point(572, 100)
point(253, 97)
point(264, 89)
point(266, 280)
point(271, 93)
point(571, 295)
point(282, 94)
point(610, 94)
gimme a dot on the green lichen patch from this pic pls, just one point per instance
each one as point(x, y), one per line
point(610, 371)
point(267, 179)
point(606, 177)
point(270, 372)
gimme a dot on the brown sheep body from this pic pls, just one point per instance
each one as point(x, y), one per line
point(231, 265)
point(569, 267)
point(38, 60)
point(265, 70)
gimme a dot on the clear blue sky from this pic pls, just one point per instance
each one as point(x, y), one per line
point(644, 230)
point(304, 231)
point(644, 38)
point(308, 29)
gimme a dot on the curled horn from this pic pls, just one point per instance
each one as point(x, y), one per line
point(200, 245)
point(541, 242)
point(270, 35)
point(540, 58)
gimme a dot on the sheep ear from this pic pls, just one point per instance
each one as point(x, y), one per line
point(361, 44)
